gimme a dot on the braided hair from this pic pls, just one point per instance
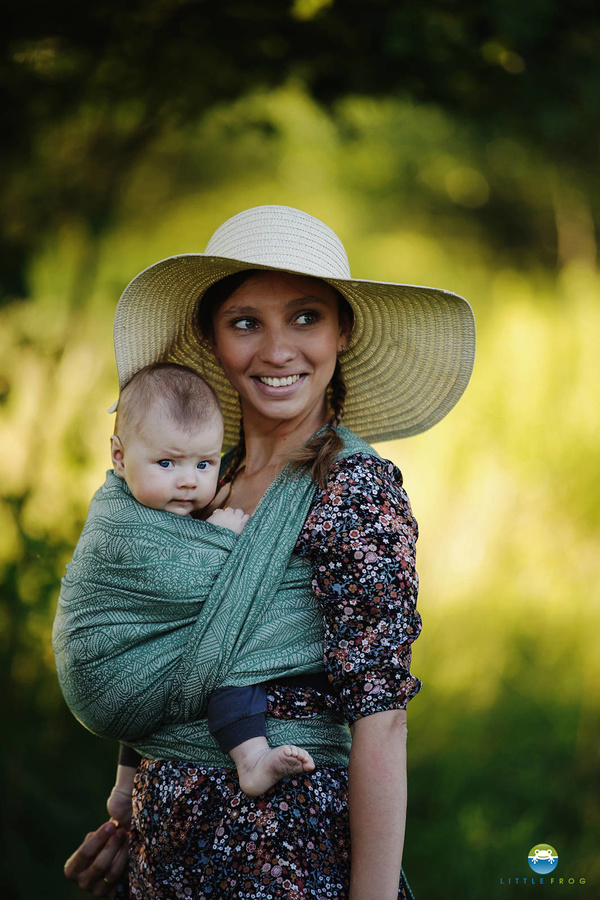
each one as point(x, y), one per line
point(319, 453)
point(238, 455)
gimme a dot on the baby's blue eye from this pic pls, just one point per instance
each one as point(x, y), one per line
point(203, 465)
point(165, 463)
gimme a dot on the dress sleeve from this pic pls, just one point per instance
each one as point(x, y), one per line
point(360, 536)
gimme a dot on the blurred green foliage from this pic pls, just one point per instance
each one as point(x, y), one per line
point(454, 150)
point(87, 89)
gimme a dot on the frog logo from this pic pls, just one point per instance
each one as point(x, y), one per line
point(542, 859)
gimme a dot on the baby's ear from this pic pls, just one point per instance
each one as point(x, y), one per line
point(117, 455)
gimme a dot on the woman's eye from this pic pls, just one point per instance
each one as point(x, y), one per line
point(306, 318)
point(165, 463)
point(203, 465)
point(245, 324)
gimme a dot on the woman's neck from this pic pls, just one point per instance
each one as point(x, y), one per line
point(270, 444)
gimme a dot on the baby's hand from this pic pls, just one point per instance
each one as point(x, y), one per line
point(234, 519)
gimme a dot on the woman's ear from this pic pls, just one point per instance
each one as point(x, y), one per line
point(117, 455)
point(213, 349)
point(344, 334)
point(344, 338)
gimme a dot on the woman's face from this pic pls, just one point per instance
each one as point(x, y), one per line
point(277, 337)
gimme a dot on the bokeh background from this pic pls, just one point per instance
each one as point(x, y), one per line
point(449, 144)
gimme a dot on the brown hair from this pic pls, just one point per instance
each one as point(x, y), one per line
point(181, 392)
point(320, 451)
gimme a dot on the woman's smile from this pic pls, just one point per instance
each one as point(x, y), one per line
point(279, 381)
point(282, 386)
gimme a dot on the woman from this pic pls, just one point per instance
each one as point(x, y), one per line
point(272, 318)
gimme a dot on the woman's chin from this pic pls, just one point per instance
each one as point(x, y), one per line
point(292, 410)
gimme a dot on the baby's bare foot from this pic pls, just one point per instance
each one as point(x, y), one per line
point(258, 771)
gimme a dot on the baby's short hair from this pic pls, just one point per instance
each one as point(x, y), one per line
point(182, 394)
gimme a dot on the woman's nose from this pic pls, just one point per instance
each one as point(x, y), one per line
point(277, 347)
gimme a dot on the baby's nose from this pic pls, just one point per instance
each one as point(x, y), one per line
point(187, 478)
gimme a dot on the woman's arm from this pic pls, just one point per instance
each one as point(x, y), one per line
point(377, 803)
point(361, 536)
point(119, 801)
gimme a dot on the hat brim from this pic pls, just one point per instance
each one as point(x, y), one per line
point(408, 362)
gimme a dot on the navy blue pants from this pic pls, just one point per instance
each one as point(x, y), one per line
point(236, 714)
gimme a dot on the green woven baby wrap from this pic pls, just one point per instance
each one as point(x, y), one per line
point(156, 611)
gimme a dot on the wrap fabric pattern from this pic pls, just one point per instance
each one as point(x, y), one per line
point(157, 610)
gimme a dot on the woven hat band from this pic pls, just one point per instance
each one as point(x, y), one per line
point(284, 238)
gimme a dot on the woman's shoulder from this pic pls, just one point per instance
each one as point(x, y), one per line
point(360, 462)
point(362, 492)
point(364, 468)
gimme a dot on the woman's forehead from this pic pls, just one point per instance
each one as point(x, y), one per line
point(281, 287)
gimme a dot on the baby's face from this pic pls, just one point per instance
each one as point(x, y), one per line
point(167, 468)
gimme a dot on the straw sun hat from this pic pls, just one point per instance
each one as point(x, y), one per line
point(407, 363)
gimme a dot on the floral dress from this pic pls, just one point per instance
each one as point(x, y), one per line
point(194, 833)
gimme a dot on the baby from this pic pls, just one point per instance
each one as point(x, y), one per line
point(167, 448)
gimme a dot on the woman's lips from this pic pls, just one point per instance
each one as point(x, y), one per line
point(278, 385)
point(278, 381)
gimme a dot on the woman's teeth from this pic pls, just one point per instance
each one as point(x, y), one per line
point(279, 382)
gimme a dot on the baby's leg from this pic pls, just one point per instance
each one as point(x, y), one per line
point(236, 719)
point(259, 766)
